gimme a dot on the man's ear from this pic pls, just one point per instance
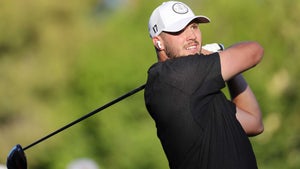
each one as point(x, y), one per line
point(157, 43)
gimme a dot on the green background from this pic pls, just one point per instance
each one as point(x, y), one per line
point(62, 59)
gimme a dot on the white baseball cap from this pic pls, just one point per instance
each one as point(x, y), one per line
point(172, 16)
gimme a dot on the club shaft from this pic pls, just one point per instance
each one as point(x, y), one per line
point(87, 115)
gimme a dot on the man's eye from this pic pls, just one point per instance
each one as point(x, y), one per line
point(195, 27)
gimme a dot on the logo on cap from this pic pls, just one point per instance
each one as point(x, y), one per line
point(155, 29)
point(180, 8)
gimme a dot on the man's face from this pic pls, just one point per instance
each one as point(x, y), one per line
point(183, 43)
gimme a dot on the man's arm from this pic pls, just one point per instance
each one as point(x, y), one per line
point(248, 112)
point(239, 58)
point(235, 60)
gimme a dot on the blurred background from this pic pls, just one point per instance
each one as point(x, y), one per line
point(61, 60)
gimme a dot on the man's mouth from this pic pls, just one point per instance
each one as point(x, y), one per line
point(191, 47)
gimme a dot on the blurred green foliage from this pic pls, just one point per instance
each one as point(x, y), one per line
point(61, 60)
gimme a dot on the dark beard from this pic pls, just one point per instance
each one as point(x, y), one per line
point(170, 54)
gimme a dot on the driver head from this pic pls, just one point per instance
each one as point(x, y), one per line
point(16, 158)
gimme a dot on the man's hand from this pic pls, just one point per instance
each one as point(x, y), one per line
point(212, 47)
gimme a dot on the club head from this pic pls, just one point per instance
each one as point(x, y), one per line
point(16, 158)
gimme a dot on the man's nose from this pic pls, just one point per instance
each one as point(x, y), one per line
point(191, 34)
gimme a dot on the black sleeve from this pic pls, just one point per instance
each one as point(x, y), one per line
point(192, 72)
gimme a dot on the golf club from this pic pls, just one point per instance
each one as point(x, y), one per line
point(16, 158)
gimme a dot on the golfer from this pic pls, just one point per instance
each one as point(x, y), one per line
point(199, 128)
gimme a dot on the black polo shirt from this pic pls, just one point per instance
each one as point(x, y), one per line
point(195, 122)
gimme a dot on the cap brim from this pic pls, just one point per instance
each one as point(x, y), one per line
point(178, 26)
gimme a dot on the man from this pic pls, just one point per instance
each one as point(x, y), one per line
point(199, 128)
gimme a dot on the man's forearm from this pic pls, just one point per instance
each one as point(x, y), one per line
point(248, 110)
point(242, 95)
